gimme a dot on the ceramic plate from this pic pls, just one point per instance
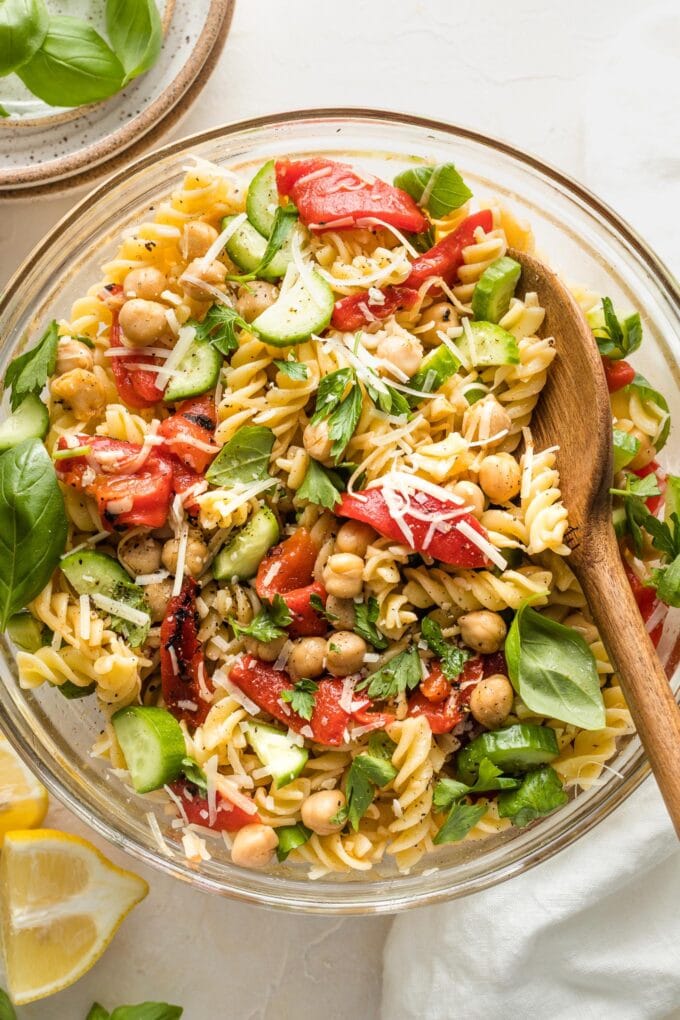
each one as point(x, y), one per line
point(50, 148)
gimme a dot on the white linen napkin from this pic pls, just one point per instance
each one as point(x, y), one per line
point(593, 933)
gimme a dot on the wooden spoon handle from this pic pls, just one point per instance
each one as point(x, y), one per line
point(655, 712)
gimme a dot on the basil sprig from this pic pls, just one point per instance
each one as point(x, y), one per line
point(23, 26)
point(33, 525)
point(136, 34)
point(142, 1011)
point(553, 670)
point(245, 458)
point(28, 373)
point(440, 189)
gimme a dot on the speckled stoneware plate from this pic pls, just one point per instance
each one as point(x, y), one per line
point(45, 149)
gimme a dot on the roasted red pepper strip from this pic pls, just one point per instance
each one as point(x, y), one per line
point(183, 674)
point(617, 373)
point(331, 194)
point(287, 570)
point(446, 257)
point(228, 817)
point(376, 720)
point(353, 312)
point(193, 421)
point(653, 502)
point(184, 478)
point(443, 716)
point(136, 387)
point(149, 487)
point(370, 506)
point(329, 719)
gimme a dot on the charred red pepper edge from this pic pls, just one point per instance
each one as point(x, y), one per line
point(193, 419)
point(179, 632)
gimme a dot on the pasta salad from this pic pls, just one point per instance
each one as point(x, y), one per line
point(276, 508)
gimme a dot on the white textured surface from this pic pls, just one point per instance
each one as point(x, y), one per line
point(577, 83)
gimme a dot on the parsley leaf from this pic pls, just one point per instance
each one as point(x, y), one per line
point(316, 603)
point(320, 486)
point(667, 582)
point(451, 656)
point(244, 459)
point(447, 792)
point(365, 616)
point(365, 774)
point(344, 420)
point(401, 673)
point(285, 219)
point(461, 818)
point(194, 773)
point(219, 328)
point(640, 488)
point(330, 392)
point(389, 400)
point(30, 371)
point(291, 837)
point(302, 697)
point(296, 370)
point(539, 794)
point(616, 339)
point(268, 624)
point(380, 745)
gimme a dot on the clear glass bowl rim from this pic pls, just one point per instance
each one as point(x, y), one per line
point(383, 895)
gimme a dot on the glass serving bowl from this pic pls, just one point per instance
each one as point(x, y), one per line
point(583, 239)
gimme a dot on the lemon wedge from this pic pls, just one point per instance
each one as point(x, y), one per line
point(62, 902)
point(23, 800)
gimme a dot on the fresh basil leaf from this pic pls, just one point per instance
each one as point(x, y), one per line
point(290, 838)
point(616, 339)
point(23, 26)
point(647, 393)
point(295, 370)
point(553, 670)
point(330, 392)
point(4, 112)
point(302, 698)
point(269, 623)
point(98, 1012)
point(30, 371)
point(136, 34)
point(73, 66)
point(33, 525)
point(365, 617)
point(451, 657)
point(219, 328)
point(365, 774)
point(439, 189)
point(148, 1011)
point(244, 459)
point(195, 774)
point(316, 603)
point(667, 582)
point(461, 818)
point(319, 486)
point(6, 1007)
point(402, 673)
point(540, 793)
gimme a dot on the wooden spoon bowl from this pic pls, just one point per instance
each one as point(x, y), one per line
point(574, 413)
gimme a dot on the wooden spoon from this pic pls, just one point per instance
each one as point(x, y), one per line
point(574, 412)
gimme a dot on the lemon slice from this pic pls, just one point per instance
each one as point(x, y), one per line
point(62, 902)
point(23, 800)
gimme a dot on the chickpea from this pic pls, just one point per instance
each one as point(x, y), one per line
point(317, 442)
point(500, 477)
point(472, 494)
point(319, 809)
point(254, 298)
point(354, 537)
point(403, 352)
point(213, 275)
point(491, 700)
point(158, 596)
point(482, 630)
point(140, 554)
point(343, 609)
point(645, 454)
point(143, 322)
point(147, 282)
point(307, 658)
point(345, 653)
point(253, 846)
point(267, 651)
point(495, 418)
point(81, 392)
point(343, 575)
point(195, 559)
point(439, 316)
point(587, 629)
point(198, 236)
point(72, 354)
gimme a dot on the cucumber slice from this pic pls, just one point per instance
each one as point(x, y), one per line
point(625, 448)
point(262, 200)
point(243, 554)
point(672, 497)
point(493, 345)
point(474, 393)
point(514, 749)
point(290, 838)
point(26, 632)
point(93, 573)
point(29, 421)
point(298, 312)
point(197, 372)
point(246, 247)
point(277, 751)
point(435, 368)
point(495, 288)
point(152, 743)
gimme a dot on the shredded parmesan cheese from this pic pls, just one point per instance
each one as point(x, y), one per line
point(121, 609)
